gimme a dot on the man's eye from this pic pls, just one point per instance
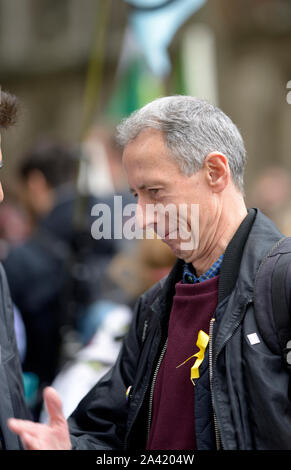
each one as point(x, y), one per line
point(154, 190)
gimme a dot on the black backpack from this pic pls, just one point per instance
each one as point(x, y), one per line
point(272, 300)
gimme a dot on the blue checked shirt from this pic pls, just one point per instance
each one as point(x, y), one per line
point(189, 276)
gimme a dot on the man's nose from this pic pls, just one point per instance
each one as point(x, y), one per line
point(145, 216)
point(140, 215)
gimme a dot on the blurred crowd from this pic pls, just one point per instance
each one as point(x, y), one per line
point(73, 295)
point(271, 192)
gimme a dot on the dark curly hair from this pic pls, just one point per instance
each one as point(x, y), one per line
point(8, 109)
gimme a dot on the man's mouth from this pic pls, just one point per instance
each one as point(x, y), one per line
point(168, 236)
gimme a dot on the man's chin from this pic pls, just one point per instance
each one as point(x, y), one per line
point(176, 246)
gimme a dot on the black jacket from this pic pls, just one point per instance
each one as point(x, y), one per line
point(12, 402)
point(249, 385)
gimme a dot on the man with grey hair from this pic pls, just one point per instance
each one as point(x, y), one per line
point(193, 368)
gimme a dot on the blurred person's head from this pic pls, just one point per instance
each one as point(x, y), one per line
point(8, 114)
point(183, 150)
point(43, 171)
point(271, 190)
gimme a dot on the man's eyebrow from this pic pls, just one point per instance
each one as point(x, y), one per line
point(143, 186)
point(149, 185)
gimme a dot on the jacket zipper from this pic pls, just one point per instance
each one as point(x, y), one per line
point(217, 437)
point(212, 364)
point(138, 408)
point(153, 387)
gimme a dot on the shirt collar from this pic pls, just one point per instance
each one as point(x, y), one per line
point(189, 277)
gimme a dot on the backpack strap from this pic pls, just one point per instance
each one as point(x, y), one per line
point(272, 298)
point(281, 288)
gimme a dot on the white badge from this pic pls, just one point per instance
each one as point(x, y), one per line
point(253, 338)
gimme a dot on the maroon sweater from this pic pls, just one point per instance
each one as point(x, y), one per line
point(173, 403)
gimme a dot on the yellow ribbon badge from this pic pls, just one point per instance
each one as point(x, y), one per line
point(202, 342)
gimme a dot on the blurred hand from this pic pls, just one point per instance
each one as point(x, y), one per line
point(38, 436)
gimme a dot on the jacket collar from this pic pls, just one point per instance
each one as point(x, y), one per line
point(233, 255)
point(263, 235)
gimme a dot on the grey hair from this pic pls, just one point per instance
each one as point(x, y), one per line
point(192, 129)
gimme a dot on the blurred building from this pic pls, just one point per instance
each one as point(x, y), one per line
point(237, 54)
point(254, 67)
point(45, 46)
point(233, 52)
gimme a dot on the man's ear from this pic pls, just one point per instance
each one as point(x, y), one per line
point(217, 171)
